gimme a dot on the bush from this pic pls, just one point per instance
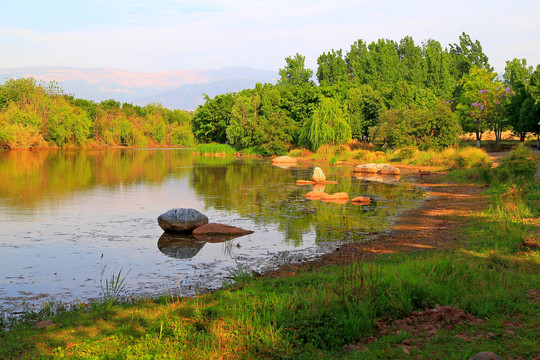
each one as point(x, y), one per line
point(435, 128)
point(519, 164)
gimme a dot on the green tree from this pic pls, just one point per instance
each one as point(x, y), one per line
point(328, 125)
point(332, 68)
point(211, 120)
point(257, 120)
point(295, 72)
point(518, 110)
point(411, 59)
point(466, 55)
point(472, 116)
point(364, 106)
point(436, 74)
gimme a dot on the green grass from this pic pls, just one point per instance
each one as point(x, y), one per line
point(313, 313)
point(214, 148)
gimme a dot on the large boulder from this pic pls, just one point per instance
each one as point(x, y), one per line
point(181, 220)
point(318, 175)
point(383, 169)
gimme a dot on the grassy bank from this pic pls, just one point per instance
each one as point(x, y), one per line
point(346, 311)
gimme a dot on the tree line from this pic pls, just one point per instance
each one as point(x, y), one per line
point(397, 94)
point(36, 115)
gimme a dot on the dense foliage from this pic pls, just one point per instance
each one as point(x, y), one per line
point(385, 92)
point(398, 94)
point(35, 115)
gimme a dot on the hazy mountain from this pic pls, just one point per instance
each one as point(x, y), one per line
point(177, 89)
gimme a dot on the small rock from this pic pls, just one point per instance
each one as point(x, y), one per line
point(220, 229)
point(361, 200)
point(304, 182)
point(284, 160)
point(485, 355)
point(318, 175)
point(315, 195)
point(336, 196)
point(181, 220)
point(44, 324)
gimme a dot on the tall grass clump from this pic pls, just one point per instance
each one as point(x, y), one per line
point(214, 148)
point(518, 165)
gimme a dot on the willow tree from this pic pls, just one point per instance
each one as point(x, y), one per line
point(328, 125)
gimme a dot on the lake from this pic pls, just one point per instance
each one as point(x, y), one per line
point(71, 219)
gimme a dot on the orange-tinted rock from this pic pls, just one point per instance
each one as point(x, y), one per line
point(318, 175)
point(336, 196)
point(361, 200)
point(304, 182)
point(212, 229)
point(315, 195)
point(284, 160)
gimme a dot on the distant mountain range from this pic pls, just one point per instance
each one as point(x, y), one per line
point(177, 89)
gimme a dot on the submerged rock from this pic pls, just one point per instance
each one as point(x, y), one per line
point(318, 175)
point(361, 200)
point(181, 220)
point(383, 169)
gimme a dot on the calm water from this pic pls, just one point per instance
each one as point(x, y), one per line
point(70, 219)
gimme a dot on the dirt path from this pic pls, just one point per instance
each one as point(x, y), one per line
point(434, 225)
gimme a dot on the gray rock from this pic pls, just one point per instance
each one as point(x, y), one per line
point(181, 220)
point(485, 355)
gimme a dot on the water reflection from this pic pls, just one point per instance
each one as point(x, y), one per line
point(63, 211)
point(179, 246)
point(29, 177)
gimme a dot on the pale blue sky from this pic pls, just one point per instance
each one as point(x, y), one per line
point(162, 35)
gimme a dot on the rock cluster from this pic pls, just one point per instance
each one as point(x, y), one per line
point(190, 221)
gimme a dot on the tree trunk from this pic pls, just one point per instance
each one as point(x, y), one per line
point(478, 136)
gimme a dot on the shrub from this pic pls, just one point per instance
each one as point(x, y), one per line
point(518, 164)
point(435, 128)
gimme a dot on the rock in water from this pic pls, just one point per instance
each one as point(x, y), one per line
point(213, 229)
point(361, 200)
point(383, 169)
point(284, 160)
point(318, 175)
point(181, 220)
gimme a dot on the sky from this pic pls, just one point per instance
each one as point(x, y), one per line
point(165, 35)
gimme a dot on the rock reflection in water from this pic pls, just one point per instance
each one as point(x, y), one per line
point(180, 246)
point(386, 179)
